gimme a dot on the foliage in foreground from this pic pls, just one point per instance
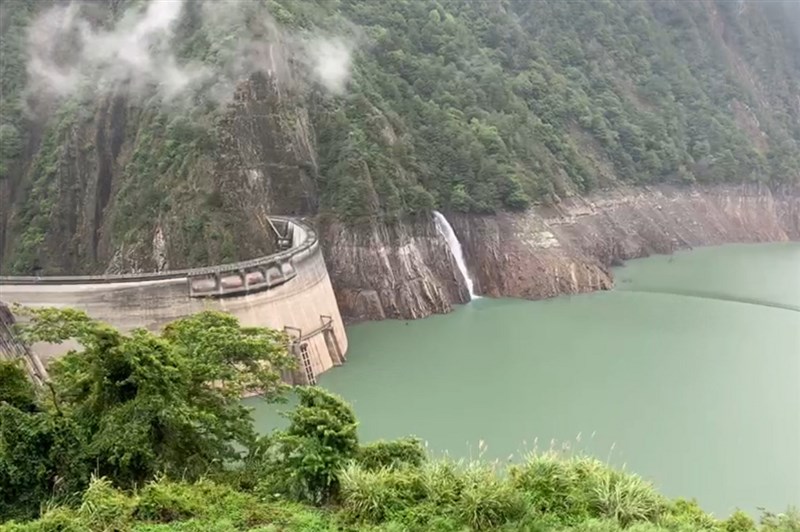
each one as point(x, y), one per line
point(460, 498)
point(315, 476)
point(130, 406)
point(135, 437)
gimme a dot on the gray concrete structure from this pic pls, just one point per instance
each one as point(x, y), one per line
point(289, 290)
point(12, 348)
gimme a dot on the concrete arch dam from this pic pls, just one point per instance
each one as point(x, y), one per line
point(289, 290)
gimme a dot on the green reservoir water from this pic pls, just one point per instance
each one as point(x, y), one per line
point(688, 373)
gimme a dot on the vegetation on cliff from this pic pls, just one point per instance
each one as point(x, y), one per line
point(145, 432)
point(456, 104)
point(500, 103)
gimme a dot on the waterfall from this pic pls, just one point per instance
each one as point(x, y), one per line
point(444, 227)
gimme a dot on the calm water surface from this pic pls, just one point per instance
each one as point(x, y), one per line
point(688, 373)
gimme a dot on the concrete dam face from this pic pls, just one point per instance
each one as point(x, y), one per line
point(289, 290)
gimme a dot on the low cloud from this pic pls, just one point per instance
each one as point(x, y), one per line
point(331, 63)
point(69, 50)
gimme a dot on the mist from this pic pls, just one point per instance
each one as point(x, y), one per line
point(138, 54)
point(331, 60)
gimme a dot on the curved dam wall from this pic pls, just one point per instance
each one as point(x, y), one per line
point(289, 291)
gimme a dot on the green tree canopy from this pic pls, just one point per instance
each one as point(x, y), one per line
point(15, 389)
point(139, 404)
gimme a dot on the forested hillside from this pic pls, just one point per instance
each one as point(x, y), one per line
point(452, 104)
point(499, 103)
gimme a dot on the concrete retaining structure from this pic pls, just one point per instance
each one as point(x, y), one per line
point(289, 290)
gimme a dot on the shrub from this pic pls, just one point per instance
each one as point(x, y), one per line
point(687, 514)
point(443, 482)
point(15, 388)
point(373, 495)
point(58, 519)
point(514, 196)
point(103, 507)
point(459, 199)
point(786, 522)
point(164, 501)
point(41, 457)
point(555, 485)
point(517, 200)
point(488, 501)
point(626, 498)
point(418, 200)
point(599, 525)
point(739, 522)
point(304, 460)
point(404, 451)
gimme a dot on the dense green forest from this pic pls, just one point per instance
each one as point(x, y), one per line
point(501, 103)
point(147, 432)
point(473, 106)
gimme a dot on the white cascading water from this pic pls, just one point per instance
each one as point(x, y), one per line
point(444, 227)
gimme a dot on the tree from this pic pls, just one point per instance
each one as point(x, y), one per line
point(305, 459)
point(15, 388)
point(143, 404)
point(459, 199)
point(42, 457)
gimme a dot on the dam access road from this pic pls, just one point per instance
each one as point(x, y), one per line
point(289, 290)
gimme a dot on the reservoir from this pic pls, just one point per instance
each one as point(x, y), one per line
point(687, 373)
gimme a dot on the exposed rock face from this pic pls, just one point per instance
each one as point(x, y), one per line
point(267, 154)
point(407, 271)
point(787, 205)
point(403, 270)
point(71, 201)
point(568, 249)
point(521, 256)
point(266, 162)
point(103, 204)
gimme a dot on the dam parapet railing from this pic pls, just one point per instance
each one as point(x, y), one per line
point(298, 240)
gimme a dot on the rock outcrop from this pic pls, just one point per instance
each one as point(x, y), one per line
point(406, 270)
point(569, 248)
point(401, 270)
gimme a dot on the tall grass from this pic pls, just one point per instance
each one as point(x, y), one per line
point(545, 492)
point(441, 496)
point(545, 486)
point(487, 500)
point(472, 494)
point(576, 488)
point(625, 498)
point(372, 495)
point(556, 486)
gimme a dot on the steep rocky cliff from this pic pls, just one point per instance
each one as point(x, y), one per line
point(399, 270)
point(406, 271)
point(569, 248)
point(117, 187)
